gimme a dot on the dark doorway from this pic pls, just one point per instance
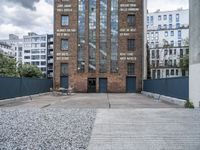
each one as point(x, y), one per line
point(91, 85)
point(64, 82)
point(102, 85)
point(131, 84)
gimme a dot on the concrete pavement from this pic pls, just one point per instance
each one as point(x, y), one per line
point(97, 101)
point(146, 129)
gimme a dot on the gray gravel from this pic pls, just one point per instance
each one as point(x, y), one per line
point(45, 128)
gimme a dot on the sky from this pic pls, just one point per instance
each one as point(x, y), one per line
point(22, 16)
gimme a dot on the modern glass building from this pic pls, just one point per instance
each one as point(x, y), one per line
point(99, 45)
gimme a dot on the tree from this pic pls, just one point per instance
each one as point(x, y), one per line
point(184, 63)
point(31, 71)
point(7, 66)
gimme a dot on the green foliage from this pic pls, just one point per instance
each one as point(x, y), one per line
point(189, 104)
point(7, 66)
point(184, 62)
point(29, 71)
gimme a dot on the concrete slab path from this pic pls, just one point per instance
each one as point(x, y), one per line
point(146, 129)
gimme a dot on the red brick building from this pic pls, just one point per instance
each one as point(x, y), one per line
point(99, 45)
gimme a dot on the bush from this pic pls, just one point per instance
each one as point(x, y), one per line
point(30, 71)
point(189, 104)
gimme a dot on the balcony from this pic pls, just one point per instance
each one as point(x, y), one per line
point(50, 61)
point(50, 53)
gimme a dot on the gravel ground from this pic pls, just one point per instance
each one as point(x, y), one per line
point(45, 128)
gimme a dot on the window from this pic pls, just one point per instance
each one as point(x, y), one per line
point(187, 51)
point(153, 54)
point(158, 63)
point(167, 73)
point(43, 44)
point(158, 74)
point(179, 34)
point(131, 44)
point(36, 63)
point(64, 20)
point(165, 26)
point(43, 63)
point(170, 26)
point(151, 20)
point(131, 20)
point(172, 43)
point(174, 51)
point(177, 72)
point(154, 74)
point(172, 72)
point(166, 33)
point(35, 57)
point(179, 43)
point(181, 53)
point(159, 18)
point(64, 44)
point(43, 56)
point(166, 62)
point(157, 54)
point(174, 62)
point(178, 25)
point(131, 69)
point(153, 63)
point(172, 33)
point(177, 17)
point(165, 17)
point(166, 52)
point(64, 69)
point(170, 18)
point(159, 26)
point(26, 57)
point(27, 51)
point(170, 51)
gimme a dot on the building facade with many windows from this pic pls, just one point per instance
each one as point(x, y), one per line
point(168, 42)
point(38, 51)
point(16, 46)
point(99, 45)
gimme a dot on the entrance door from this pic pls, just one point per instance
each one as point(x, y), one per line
point(64, 82)
point(102, 85)
point(91, 85)
point(131, 84)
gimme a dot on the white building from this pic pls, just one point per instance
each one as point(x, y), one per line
point(35, 51)
point(167, 33)
point(7, 50)
point(16, 45)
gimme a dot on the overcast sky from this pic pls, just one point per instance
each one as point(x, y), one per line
point(22, 16)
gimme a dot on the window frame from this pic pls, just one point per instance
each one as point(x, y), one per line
point(61, 20)
point(131, 47)
point(131, 24)
point(62, 39)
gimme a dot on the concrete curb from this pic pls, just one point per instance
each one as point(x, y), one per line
point(172, 100)
point(19, 99)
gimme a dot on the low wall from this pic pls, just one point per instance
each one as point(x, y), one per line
point(11, 87)
point(171, 87)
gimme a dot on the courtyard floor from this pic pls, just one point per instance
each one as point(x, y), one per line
point(98, 122)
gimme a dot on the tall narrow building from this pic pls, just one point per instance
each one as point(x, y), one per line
point(99, 45)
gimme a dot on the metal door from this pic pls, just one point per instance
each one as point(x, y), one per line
point(64, 82)
point(131, 84)
point(102, 85)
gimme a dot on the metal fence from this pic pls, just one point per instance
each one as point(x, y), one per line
point(172, 87)
point(11, 87)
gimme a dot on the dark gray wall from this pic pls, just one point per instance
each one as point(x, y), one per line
point(16, 87)
point(173, 87)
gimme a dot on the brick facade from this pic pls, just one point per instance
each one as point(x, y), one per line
point(116, 82)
